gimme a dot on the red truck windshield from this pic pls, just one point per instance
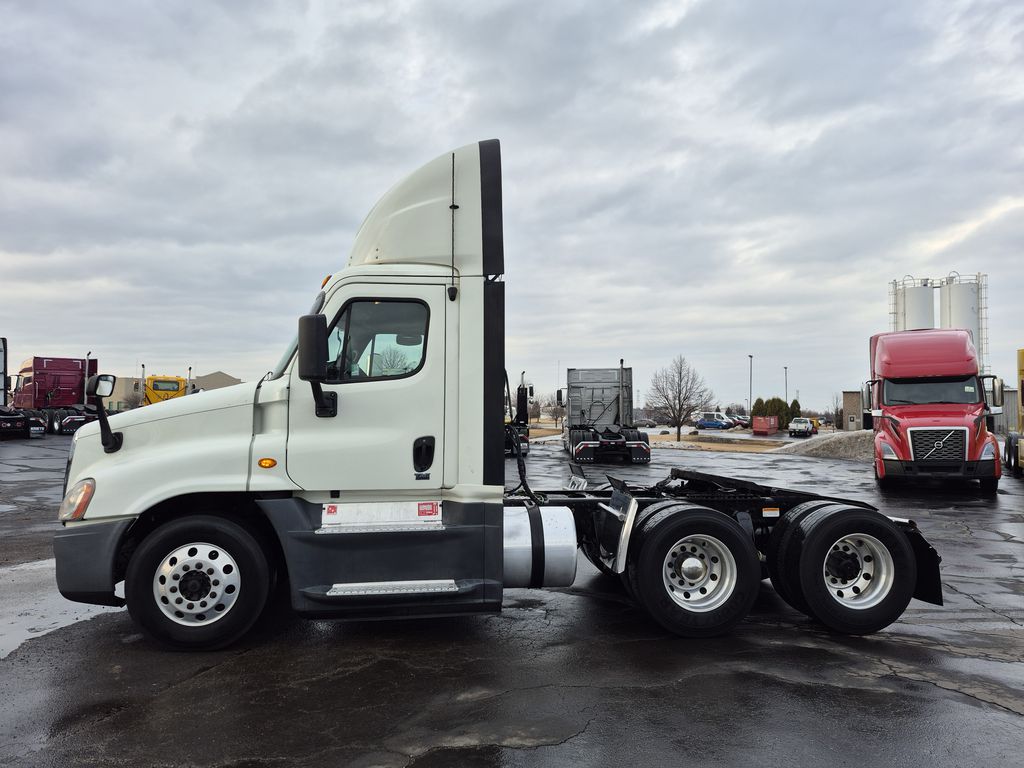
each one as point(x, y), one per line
point(964, 389)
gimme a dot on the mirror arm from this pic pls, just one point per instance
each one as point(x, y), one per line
point(326, 402)
point(111, 441)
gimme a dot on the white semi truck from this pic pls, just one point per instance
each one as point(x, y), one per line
point(366, 471)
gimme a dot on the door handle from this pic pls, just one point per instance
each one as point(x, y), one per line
point(422, 453)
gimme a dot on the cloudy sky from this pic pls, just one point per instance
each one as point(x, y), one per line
point(711, 179)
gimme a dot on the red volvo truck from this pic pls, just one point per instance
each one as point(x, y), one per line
point(51, 392)
point(926, 403)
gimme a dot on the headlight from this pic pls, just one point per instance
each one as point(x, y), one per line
point(77, 500)
point(988, 452)
point(888, 452)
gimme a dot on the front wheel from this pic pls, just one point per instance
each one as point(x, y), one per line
point(697, 572)
point(197, 583)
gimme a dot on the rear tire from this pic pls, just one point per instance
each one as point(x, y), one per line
point(857, 570)
point(1012, 457)
point(697, 572)
point(224, 581)
point(783, 555)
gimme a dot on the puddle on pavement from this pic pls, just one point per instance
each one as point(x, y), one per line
point(31, 606)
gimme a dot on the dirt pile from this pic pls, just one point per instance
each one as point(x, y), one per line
point(857, 446)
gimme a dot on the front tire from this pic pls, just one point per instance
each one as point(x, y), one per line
point(197, 583)
point(696, 572)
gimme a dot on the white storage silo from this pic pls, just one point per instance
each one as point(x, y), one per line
point(960, 306)
point(915, 305)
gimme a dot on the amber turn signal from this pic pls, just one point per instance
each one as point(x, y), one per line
point(267, 463)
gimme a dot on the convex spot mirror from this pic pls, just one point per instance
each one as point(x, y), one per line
point(313, 348)
point(101, 385)
point(409, 339)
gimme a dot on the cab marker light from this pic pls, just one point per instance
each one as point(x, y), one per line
point(325, 280)
point(77, 501)
point(267, 463)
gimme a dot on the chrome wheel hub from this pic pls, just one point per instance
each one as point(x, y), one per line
point(858, 571)
point(196, 584)
point(699, 573)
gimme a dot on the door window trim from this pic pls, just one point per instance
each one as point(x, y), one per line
point(392, 300)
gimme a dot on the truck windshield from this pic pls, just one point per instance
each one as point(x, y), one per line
point(962, 389)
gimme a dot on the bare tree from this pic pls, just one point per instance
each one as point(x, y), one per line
point(554, 410)
point(534, 409)
point(837, 410)
point(392, 360)
point(679, 391)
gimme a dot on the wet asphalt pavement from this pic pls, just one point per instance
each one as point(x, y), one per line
point(571, 676)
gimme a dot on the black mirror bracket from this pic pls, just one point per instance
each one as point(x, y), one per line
point(111, 441)
point(326, 402)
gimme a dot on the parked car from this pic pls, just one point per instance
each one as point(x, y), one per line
point(801, 427)
point(645, 423)
point(713, 420)
point(739, 421)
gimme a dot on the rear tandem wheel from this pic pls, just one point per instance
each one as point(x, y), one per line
point(695, 571)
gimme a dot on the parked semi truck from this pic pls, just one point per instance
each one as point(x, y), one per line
point(517, 417)
point(599, 417)
point(1013, 451)
point(926, 402)
point(160, 388)
point(50, 391)
point(381, 495)
point(13, 422)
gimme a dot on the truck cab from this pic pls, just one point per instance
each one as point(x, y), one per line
point(160, 388)
point(928, 408)
point(370, 458)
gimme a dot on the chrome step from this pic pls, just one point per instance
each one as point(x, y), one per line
point(390, 527)
point(426, 586)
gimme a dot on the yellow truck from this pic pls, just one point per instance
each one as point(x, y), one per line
point(1013, 450)
point(160, 388)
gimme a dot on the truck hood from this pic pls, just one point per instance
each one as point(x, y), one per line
point(936, 414)
point(201, 402)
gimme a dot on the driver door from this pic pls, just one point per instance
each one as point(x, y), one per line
point(386, 366)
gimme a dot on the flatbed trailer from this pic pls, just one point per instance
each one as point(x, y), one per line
point(382, 495)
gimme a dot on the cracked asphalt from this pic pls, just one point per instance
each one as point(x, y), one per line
point(572, 676)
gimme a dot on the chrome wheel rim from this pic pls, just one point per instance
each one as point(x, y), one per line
point(196, 584)
point(699, 573)
point(858, 571)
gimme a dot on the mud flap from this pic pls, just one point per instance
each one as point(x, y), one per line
point(929, 580)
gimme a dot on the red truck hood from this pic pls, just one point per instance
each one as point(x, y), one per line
point(936, 414)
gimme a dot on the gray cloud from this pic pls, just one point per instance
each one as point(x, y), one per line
point(712, 179)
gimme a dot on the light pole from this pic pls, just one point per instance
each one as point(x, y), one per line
point(750, 391)
point(785, 370)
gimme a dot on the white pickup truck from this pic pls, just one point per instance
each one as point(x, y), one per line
point(801, 427)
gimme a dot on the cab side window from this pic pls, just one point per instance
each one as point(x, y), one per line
point(374, 339)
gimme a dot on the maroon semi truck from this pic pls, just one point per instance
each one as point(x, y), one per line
point(50, 391)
